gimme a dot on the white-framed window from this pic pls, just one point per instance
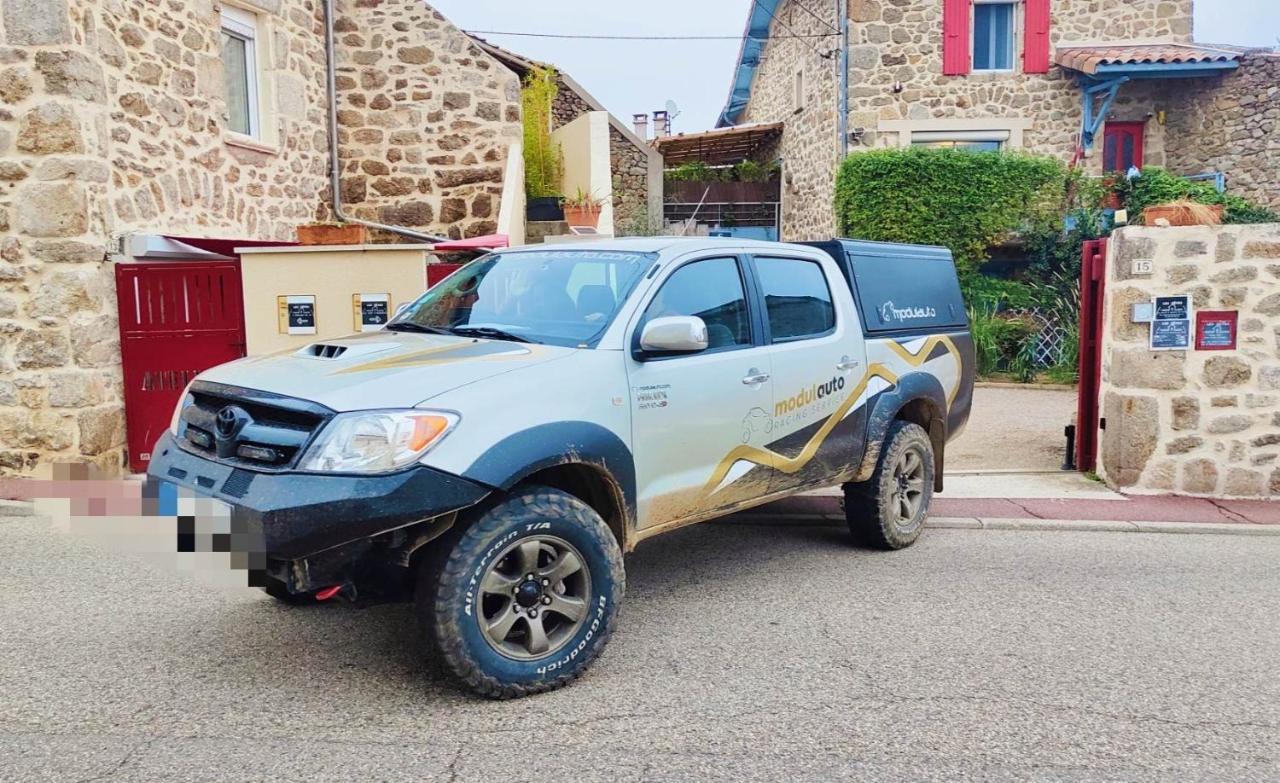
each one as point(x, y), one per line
point(970, 141)
point(994, 34)
point(797, 100)
point(240, 69)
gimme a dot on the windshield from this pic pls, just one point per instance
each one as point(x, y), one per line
point(561, 297)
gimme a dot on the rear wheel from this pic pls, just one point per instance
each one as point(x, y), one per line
point(888, 511)
point(526, 597)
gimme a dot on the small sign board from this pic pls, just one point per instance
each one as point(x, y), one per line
point(370, 312)
point(297, 314)
point(1171, 324)
point(1142, 267)
point(1216, 330)
point(1173, 308)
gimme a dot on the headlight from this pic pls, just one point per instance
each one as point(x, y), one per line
point(376, 441)
point(183, 401)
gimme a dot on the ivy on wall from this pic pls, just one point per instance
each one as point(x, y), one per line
point(965, 201)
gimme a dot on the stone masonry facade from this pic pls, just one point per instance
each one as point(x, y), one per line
point(425, 119)
point(1231, 124)
point(1194, 422)
point(112, 120)
point(896, 83)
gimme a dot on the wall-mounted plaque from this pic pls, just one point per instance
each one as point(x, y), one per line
point(297, 314)
point(1216, 330)
point(370, 312)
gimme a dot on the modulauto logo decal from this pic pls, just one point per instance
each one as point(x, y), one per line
point(890, 313)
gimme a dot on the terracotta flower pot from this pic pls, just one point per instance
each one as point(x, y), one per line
point(1202, 215)
point(331, 234)
point(582, 216)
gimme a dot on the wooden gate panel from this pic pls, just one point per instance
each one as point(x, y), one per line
point(1093, 278)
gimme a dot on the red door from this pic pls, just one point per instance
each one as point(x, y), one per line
point(1122, 145)
point(1093, 280)
point(176, 319)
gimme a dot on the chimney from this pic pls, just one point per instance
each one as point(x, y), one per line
point(641, 123)
point(661, 124)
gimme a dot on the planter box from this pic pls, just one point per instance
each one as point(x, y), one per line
point(1180, 216)
point(582, 216)
point(544, 209)
point(723, 192)
point(328, 234)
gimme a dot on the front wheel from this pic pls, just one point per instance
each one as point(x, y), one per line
point(526, 598)
point(888, 511)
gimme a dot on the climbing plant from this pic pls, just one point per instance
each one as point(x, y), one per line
point(543, 158)
point(966, 201)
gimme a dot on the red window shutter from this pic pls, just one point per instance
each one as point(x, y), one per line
point(1035, 57)
point(955, 37)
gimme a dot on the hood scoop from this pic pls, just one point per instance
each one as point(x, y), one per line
point(343, 350)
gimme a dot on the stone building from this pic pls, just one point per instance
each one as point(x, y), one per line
point(1108, 82)
point(1195, 422)
point(208, 119)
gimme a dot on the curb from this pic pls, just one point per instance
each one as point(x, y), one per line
point(17, 508)
point(1032, 525)
point(1009, 385)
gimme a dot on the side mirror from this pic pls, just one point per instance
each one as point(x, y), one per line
point(674, 334)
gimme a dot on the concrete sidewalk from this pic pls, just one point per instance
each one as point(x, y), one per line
point(1049, 501)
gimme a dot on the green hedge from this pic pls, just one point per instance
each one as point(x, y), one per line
point(966, 201)
point(1156, 186)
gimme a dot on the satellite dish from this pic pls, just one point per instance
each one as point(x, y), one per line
point(673, 110)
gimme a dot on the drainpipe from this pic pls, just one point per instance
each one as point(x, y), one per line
point(842, 110)
point(335, 167)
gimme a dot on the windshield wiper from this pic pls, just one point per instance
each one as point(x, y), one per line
point(410, 326)
point(491, 332)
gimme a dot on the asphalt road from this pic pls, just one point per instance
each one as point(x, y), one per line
point(746, 652)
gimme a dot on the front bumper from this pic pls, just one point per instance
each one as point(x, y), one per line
point(301, 514)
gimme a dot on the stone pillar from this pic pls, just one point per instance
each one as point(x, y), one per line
point(60, 397)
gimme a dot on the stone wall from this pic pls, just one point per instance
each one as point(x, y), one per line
point(425, 120)
point(809, 148)
point(896, 83)
point(1194, 422)
point(112, 120)
point(1231, 124)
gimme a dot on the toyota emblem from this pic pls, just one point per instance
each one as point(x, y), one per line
point(230, 420)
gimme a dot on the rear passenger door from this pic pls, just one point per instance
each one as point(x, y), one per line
point(816, 347)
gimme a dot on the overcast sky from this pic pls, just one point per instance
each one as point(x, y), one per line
point(641, 76)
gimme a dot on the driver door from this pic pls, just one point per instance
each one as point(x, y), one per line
point(697, 418)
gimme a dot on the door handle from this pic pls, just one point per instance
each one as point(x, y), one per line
point(754, 377)
point(846, 363)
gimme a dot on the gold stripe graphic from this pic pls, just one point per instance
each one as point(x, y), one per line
point(772, 459)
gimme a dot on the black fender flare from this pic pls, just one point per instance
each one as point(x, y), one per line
point(522, 454)
point(910, 388)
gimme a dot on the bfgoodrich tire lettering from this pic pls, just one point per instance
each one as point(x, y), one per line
point(888, 511)
point(460, 597)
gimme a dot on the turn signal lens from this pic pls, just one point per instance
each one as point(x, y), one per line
point(376, 441)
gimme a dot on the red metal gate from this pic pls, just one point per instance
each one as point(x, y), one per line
point(1093, 278)
point(176, 319)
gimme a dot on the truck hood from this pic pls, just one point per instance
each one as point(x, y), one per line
point(381, 369)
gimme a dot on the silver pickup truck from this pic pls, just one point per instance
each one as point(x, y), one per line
point(514, 431)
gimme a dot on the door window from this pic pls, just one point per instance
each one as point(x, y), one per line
point(1122, 146)
point(712, 290)
point(797, 299)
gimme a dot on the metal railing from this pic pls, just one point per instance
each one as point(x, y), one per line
point(764, 214)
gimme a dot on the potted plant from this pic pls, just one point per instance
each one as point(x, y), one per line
point(1183, 212)
point(543, 158)
point(331, 234)
point(582, 209)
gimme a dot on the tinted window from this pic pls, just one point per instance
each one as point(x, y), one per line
point(796, 298)
point(711, 290)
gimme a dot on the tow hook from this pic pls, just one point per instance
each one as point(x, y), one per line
point(346, 591)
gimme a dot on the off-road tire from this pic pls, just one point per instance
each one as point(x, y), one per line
point(872, 507)
point(448, 596)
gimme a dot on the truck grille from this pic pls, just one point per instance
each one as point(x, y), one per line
point(249, 428)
